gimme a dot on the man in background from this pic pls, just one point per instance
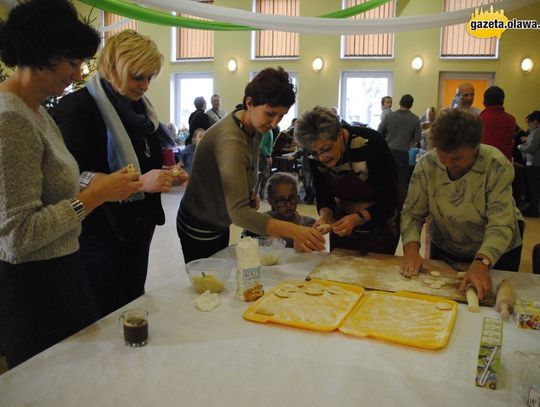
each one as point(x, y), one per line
point(499, 126)
point(197, 119)
point(465, 99)
point(401, 130)
point(216, 113)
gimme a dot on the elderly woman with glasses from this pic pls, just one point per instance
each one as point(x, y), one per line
point(355, 182)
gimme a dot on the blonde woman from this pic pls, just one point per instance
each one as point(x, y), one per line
point(106, 126)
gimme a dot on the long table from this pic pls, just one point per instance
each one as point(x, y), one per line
point(217, 358)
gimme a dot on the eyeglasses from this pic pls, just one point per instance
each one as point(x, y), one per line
point(325, 150)
point(292, 200)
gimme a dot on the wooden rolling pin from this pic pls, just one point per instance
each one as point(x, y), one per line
point(472, 299)
point(505, 299)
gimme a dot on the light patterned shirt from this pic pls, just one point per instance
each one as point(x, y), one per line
point(473, 214)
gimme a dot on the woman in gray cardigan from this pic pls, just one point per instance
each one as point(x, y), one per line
point(42, 295)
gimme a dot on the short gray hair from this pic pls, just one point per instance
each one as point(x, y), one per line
point(320, 123)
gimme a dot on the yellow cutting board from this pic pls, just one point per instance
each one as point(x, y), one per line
point(411, 319)
point(377, 271)
point(300, 304)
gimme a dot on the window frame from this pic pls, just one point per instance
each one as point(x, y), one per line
point(254, 56)
point(361, 73)
point(367, 57)
point(174, 45)
point(105, 34)
point(465, 57)
point(176, 107)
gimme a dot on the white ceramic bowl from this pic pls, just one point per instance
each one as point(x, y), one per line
point(209, 274)
point(270, 250)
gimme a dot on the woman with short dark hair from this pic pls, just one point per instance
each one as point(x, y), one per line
point(224, 175)
point(466, 188)
point(42, 295)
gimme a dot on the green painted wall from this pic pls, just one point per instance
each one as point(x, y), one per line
point(522, 90)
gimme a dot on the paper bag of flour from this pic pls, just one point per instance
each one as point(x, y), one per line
point(248, 271)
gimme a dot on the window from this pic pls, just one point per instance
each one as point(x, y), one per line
point(285, 123)
point(457, 43)
point(370, 45)
point(361, 93)
point(276, 44)
point(118, 24)
point(192, 44)
point(187, 86)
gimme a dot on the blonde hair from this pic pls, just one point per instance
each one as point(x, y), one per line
point(128, 53)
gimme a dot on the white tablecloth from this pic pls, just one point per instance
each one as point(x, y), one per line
point(218, 359)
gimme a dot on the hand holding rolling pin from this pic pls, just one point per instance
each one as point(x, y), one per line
point(478, 275)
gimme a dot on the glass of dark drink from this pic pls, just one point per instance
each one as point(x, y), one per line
point(135, 326)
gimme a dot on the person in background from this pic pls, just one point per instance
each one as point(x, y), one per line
point(464, 99)
point(265, 160)
point(531, 148)
point(216, 112)
point(42, 294)
point(107, 125)
point(355, 182)
point(198, 119)
point(187, 154)
point(282, 195)
point(466, 188)
point(520, 186)
point(222, 186)
point(386, 106)
point(429, 116)
point(499, 126)
point(426, 121)
point(401, 130)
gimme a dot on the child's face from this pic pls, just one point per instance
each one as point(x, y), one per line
point(285, 201)
point(387, 102)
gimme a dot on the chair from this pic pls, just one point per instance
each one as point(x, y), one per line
point(536, 259)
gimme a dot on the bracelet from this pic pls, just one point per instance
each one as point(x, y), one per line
point(86, 178)
point(78, 207)
point(484, 261)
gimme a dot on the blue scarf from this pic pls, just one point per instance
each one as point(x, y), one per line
point(120, 150)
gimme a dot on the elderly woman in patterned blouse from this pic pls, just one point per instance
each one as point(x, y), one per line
point(466, 188)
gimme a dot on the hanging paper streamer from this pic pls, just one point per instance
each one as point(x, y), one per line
point(229, 19)
point(136, 12)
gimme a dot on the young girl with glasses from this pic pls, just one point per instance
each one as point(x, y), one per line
point(282, 195)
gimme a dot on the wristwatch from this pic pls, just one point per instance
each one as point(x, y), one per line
point(484, 261)
point(363, 219)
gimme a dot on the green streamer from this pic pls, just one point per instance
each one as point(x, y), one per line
point(136, 12)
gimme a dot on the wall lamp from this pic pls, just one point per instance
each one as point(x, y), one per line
point(317, 64)
point(417, 63)
point(527, 65)
point(232, 65)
